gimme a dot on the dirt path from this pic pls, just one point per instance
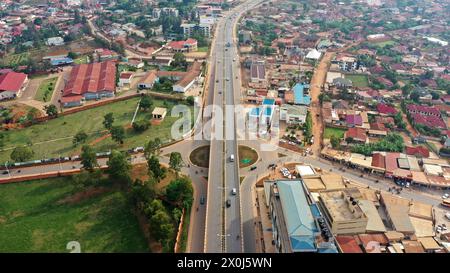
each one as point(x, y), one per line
point(317, 81)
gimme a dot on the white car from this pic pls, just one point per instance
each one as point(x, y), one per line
point(445, 196)
point(447, 215)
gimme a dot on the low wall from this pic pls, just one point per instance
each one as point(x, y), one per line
point(179, 233)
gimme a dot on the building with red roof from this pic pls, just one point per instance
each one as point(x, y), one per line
point(391, 163)
point(88, 82)
point(387, 110)
point(12, 84)
point(183, 46)
point(357, 134)
point(349, 244)
point(419, 151)
point(378, 160)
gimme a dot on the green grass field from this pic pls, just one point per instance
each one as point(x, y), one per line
point(81, 60)
point(203, 49)
point(46, 89)
point(34, 218)
point(358, 80)
point(333, 131)
point(385, 43)
point(54, 138)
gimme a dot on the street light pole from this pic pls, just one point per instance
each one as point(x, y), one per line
point(6, 166)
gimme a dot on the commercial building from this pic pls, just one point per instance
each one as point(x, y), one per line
point(189, 45)
point(89, 82)
point(296, 220)
point(342, 210)
point(293, 114)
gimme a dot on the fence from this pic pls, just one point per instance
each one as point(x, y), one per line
point(179, 233)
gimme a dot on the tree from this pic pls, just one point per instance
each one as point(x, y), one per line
point(119, 168)
point(32, 115)
point(155, 170)
point(140, 125)
point(179, 61)
point(161, 227)
point(152, 147)
point(51, 110)
point(22, 154)
point(87, 178)
point(190, 100)
point(118, 134)
point(108, 121)
point(175, 161)
point(181, 192)
point(2, 140)
point(88, 158)
point(146, 103)
point(80, 137)
point(415, 96)
point(335, 142)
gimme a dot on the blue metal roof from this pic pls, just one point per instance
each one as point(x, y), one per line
point(267, 111)
point(299, 219)
point(299, 96)
point(268, 101)
point(60, 61)
point(255, 112)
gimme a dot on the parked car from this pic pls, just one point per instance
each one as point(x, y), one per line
point(447, 215)
point(445, 196)
point(252, 168)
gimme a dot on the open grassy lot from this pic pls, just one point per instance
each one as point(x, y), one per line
point(358, 80)
point(333, 131)
point(385, 43)
point(54, 138)
point(45, 90)
point(81, 60)
point(203, 49)
point(37, 216)
point(200, 156)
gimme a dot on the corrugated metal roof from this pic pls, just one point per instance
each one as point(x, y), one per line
point(297, 213)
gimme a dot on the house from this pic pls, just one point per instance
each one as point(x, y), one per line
point(188, 45)
point(89, 82)
point(419, 151)
point(346, 63)
point(342, 82)
point(299, 94)
point(314, 55)
point(106, 54)
point(293, 114)
point(136, 63)
point(12, 84)
point(353, 120)
point(188, 79)
point(125, 78)
point(386, 110)
point(148, 80)
point(357, 135)
point(159, 113)
point(55, 41)
point(258, 72)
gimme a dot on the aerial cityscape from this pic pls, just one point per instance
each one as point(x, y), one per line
point(225, 126)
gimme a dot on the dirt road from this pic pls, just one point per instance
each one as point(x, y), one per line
point(317, 81)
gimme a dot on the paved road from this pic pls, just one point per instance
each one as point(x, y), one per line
point(223, 224)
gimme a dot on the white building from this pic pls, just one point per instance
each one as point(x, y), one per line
point(55, 41)
point(293, 114)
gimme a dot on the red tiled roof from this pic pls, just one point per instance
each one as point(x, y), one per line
point(386, 109)
point(391, 161)
point(356, 133)
point(91, 78)
point(12, 81)
point(419, 150)
point(182, 44)
point(429, 121)
point(378, 160)
point(423, 109)
point(348, 244)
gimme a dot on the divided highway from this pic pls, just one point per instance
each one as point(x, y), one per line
point(223, 229)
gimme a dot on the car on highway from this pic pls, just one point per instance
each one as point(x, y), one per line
point(252, 168)
point(231, 158)
point(5, 172)
point(228, 203)
point(202, 200)
point(234, 191)
point(217, 80)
